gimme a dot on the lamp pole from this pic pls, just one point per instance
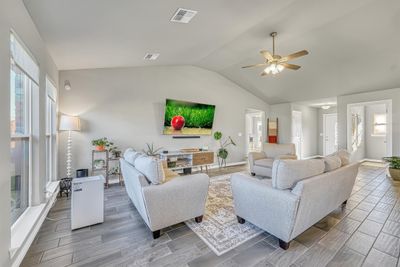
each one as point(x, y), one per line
point(69, 155)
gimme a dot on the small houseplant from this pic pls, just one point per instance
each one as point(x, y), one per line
point(394, 167)
point(100, 144)
point(222, 152)
point(151, 151)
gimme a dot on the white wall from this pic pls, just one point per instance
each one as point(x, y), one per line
point(375, 146)
point(321, 113)
point(13, 15)
point(343, 101)
point(309, 117)
point(127, 105)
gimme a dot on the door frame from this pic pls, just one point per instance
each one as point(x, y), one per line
point(389, 126)
point(263, 127)
point(324, 129)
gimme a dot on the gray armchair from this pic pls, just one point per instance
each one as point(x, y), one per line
point(260, 163)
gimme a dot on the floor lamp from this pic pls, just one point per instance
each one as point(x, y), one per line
point(69, 123)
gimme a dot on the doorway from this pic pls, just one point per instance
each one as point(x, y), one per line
point(330, 141)
point(254, 130)
point(297, 132)
point(369, 130)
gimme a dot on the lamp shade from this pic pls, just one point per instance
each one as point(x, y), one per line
point(69, 123)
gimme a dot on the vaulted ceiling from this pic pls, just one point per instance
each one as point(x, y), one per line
point(354, 45)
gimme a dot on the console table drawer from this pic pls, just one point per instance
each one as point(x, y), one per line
point(203, 158)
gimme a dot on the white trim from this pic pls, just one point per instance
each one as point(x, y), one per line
point(25, 229)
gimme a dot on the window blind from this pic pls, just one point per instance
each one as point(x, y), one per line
point(23, 58)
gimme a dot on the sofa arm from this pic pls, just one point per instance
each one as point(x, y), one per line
point(286, 157)
point(177, 200)
point(253, 156)
point(271, 209)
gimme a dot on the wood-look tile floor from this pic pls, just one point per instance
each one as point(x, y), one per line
point(366, 232)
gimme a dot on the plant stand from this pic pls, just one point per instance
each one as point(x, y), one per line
point(104, 155)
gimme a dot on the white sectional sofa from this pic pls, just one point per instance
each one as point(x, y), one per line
point(300, 193)
point(162, 203)
point(260, 163)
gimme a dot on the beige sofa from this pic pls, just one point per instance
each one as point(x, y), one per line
point(260, 163)
point(300, 193)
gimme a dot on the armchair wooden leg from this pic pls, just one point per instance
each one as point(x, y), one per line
point(240, 220)
point(284, 245)
point(253, 174)
point(199, 219)
point(156, 234)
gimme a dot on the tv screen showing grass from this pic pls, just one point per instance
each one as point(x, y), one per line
point(188, 118)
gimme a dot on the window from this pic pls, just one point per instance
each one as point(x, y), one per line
point(50, 131)
point(24, 76)
point(379, 127)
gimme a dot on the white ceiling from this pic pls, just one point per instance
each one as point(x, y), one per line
point(354, 45)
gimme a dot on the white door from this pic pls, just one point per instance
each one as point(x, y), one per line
point(297, 132)
point(330, 133)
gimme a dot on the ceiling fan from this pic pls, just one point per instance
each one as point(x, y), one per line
point(276, 63)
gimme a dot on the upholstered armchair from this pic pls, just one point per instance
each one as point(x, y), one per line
point(261, 162)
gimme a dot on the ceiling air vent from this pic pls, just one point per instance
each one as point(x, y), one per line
point(183, 15)
point(151, 56)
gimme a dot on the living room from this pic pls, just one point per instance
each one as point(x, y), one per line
point(294, 163)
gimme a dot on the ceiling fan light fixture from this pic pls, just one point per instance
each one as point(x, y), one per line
point(274, 68)
point(325, 107)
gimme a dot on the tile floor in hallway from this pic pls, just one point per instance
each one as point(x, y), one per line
point(366, 232)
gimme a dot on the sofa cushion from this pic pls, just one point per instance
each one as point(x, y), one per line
point(286, 173)
point(344, 156)
point(152, 168)
point(332, 162)
point(264, 162)
point(130, 155)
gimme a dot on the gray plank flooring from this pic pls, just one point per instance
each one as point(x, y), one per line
point(366, 232)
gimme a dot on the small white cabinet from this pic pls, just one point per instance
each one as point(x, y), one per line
point(87, 201)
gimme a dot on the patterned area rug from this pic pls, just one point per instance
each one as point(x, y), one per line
point(220, 229)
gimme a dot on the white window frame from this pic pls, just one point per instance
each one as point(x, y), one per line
point(51, 131)
point(375, 124)
point(31, 80)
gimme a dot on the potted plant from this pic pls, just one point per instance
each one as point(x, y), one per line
point(394, 167)
point(222, 152)
point(151, 151)
point(100, 144)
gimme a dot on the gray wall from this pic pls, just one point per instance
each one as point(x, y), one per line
point(309, 116)
point(343, 101)
point(13, 15)
point(321, 113)
point(127, 106)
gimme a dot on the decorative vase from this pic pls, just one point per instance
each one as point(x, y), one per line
point(395, 174)
point(99, 148)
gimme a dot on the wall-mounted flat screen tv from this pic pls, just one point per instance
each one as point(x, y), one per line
point(188, 118)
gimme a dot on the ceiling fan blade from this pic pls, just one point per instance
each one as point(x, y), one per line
point(264, 73)
point(267, 55)
point(294, 55)
point(255, 65)
point(290, 66)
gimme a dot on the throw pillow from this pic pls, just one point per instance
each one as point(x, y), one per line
point(344, 156)
point(130, 155)
point(332, 163)
point(169, 175)
point(286, 173)
point(152, 168)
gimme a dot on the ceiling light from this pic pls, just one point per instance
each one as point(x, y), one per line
point(183, 15)
point(274, 68)
point(325, 107)
point(151, 56)
point(67, 85)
